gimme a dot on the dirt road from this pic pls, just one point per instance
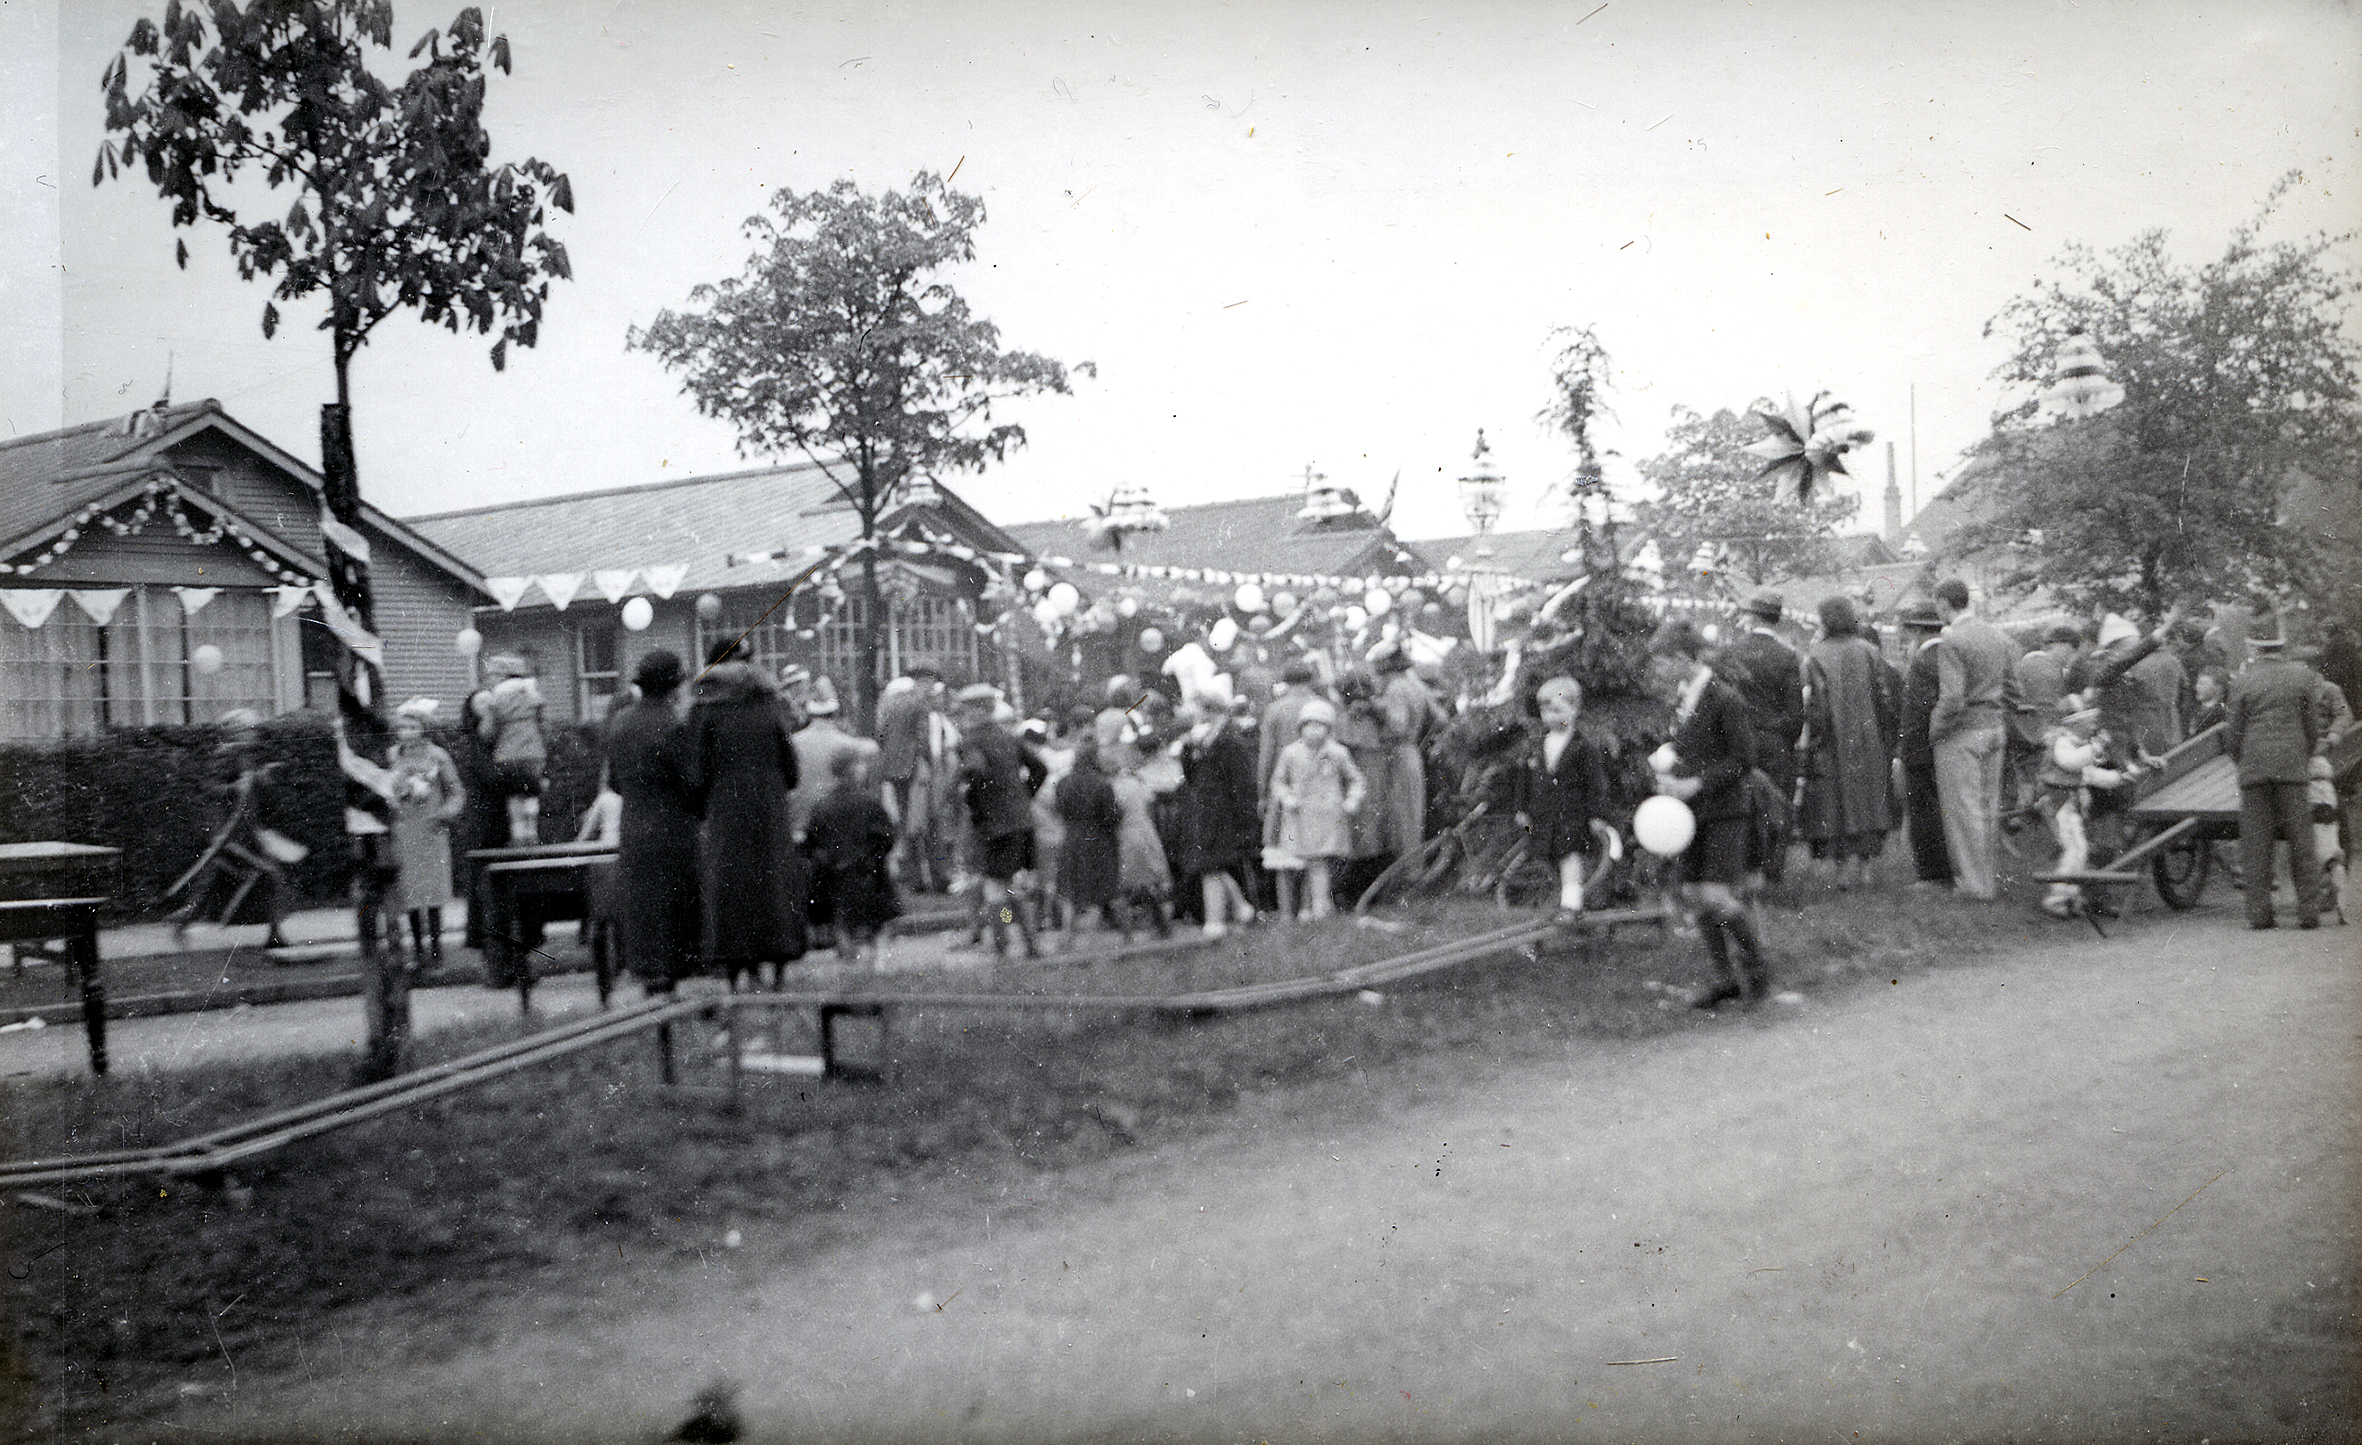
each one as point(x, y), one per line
point(1928, 1210)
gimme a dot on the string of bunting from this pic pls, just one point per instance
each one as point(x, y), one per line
point(143, 510)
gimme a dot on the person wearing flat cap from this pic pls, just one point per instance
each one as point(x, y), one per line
point(1923, 809)
point(655, 907)
point(1769, 676)
point(2272, 728)
point(817, 745)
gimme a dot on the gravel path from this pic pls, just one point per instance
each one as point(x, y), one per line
point(1922, 1211)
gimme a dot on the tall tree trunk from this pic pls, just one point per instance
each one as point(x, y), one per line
point(873, 614)
point(360, 697)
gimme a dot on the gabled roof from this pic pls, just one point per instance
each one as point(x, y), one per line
point(46, 477)
point(1537, 556)
point(1251, 535)
point(697, 522)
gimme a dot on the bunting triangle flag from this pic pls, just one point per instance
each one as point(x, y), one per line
point(560, 587)
point(666, 580)
point(285, 600)
point(613, 582)
point(507, 591)
point(31, 606)
point(99, 602)
point(193, 599)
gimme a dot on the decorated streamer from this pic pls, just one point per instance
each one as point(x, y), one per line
point(31, 606)
point(99, 603)
point(359, 640)
point(286, 599)
point(1807, 446)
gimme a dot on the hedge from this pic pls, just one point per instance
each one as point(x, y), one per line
point(145, 791)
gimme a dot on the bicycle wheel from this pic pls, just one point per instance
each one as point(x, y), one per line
point(2180, 871)
point(1413, 874)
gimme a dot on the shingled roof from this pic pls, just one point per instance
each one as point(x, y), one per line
point(696, 522)
point(46, 477)
point(1253, 535)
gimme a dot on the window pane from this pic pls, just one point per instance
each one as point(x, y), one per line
point(49, 676)
point(238, 625)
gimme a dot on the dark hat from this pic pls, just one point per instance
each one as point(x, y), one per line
point(1767, 604)
point(2064, 632)
point(2264, 633)
point(1921, 615)
point(658, 673)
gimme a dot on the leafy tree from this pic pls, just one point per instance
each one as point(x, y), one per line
point(1710, 493)
point(838, 343)
point(1580, 377)
point(397, 206)
point(2239, 380)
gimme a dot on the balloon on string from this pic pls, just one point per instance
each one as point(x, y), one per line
point(709, 606)
point(637, 614)
point(1065, 597)
point(1151, 640)
point(1412, 599)
point(1127, 607)
point(1376, 601)
point(469, 642)
point(1663, 825)
point(1036, 580)
point(206, 659)
point(1258, 624)
point(1249, 597)
point(1283, 601)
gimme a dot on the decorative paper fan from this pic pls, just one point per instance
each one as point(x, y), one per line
point(1807, 445)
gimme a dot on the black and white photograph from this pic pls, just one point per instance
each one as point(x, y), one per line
point(1627, 720)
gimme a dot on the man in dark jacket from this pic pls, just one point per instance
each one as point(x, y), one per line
point(1923, 808)
point(998, 778)
point(906, 764)
point(2273, 730)
point(1705, 764)
point(1769, 676)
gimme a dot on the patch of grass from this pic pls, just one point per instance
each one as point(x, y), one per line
point(473, 1195)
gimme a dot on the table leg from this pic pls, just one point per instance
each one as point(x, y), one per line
point(82, 946)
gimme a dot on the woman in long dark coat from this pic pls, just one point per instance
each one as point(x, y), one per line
point(741, 765)
point(656, 860)
point(1221, 830)
point(1850, 715)
point(1090, 866)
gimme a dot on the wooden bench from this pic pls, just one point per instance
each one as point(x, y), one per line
point(521, 894)
point(72, 925)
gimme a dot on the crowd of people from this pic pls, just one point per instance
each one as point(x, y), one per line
point(752, 826)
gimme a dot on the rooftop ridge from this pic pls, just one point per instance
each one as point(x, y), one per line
point(106, 423)
point(565, 498)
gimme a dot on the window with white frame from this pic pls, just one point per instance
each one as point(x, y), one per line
point(598, 674)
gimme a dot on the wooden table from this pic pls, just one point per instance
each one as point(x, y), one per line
point(525, 888)
point(50, 898)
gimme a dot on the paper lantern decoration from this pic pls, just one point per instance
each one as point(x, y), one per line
point(1283, 601)
point(469, 642)
point(206, 659)
point(1377, 601)
point(637, 614)
point(1065, 598)
point(1224, 633)
point(1249, 597)
point(1357, 617)
point(1152, 641)
point(1046, 613)
point(709, 606)
point(1807, 446)
point(1663, 825)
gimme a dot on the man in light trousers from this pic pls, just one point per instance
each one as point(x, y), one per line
point(1975, 667)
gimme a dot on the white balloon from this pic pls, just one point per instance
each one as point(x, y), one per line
point(1151, 640)
point(1224, 633)
point(1664, 825)
point(1127, 607)
point(1356, 617)
point(1064, 597)
point(709, 606)
point(207, 658)
point(469, 642)
point(1249, 597)
point(1377, 600)
point(1036, 580)
point(637, 614)
point(1283, 601)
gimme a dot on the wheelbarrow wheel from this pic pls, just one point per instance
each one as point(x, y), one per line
point(2181, 869)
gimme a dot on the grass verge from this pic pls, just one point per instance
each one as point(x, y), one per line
point(483, 1194)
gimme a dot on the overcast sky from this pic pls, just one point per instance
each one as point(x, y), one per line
point(1287, 233)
